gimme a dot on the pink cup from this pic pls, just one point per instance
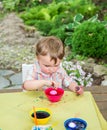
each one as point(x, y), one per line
point(54, 94)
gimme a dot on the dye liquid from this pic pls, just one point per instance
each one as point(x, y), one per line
point(41, 114)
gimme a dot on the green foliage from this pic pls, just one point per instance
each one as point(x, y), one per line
point(59, 28)
point(46, 12)
point(89, 39)
point(70, 28)
point(88, 9)
point(10, 4)
point(49, 20)
point(85, 7)
point(2, 16)
point(19, 5)
point(59, 17)
point(105, 17)
point(58, 14)
point(44, 26)
point(78, 20)
point(59, 32)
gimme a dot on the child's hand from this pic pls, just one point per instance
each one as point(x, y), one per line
point(51, 84)
point(54, 84)
point(48, 83)
point(79, 90)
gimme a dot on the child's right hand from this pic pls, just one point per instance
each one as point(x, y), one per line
point(55, 84)
point(48, 83)
point(52, 84)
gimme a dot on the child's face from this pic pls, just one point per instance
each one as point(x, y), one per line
point(47, 65)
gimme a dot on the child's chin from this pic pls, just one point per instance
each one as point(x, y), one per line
point(45, 72)
point(48, 72)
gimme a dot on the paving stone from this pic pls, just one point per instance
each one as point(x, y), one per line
point(6, 72)
point(16, 79)
point(3, 82)
point(104, 83)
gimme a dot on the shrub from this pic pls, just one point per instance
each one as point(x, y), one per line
point(89, 39)
point(44, 26)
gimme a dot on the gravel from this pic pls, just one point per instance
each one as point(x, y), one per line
point(16, 46)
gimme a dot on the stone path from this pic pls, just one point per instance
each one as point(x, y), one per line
point(10, 79)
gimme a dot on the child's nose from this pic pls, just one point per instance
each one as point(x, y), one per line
point(52, 69)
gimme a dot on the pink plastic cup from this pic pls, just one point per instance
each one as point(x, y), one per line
point(54, 94)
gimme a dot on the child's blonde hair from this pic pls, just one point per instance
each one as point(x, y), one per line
point(50, 46)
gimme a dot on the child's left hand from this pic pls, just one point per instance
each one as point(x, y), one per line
point(79, 90)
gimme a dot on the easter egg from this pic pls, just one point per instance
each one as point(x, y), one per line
point(72, 125)
point(53, 92)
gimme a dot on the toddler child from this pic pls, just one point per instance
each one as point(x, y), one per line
point(47, 70)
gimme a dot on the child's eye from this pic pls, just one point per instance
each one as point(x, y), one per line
point(46, 65)
point(56, 65)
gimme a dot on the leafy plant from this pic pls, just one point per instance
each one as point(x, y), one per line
point(89, 39)
point(19, 5)
point(70, 28)
point(60, 15)
point(10, 4)
point(44, 26)
point(77, 74)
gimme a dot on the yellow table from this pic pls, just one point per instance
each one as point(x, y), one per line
point(15, 108)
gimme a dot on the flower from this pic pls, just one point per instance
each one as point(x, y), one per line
point(77, 74)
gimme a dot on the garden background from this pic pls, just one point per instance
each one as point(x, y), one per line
point(80, 24)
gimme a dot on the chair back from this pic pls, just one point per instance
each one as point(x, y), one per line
point(26, 69)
